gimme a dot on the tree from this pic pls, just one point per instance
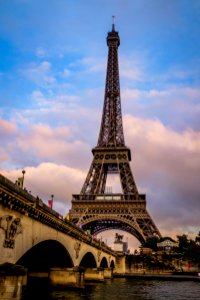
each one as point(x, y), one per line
point(193, 253)
point(183, 243)
point(151, 243)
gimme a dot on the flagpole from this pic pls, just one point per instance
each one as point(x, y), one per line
point(52, 196)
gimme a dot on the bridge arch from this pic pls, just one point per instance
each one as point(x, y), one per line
point(112, 264)
point(44, 255)
point(88, 261)
point(104, 263)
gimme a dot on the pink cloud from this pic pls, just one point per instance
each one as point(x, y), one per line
point(177, 107)
point(166, 166)
point(49, 178)
point(8, 131)
point(52, 144)
point(7, 128)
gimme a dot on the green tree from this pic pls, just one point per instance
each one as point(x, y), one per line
point(183, 243)
point(193, 253)
point(151, 243)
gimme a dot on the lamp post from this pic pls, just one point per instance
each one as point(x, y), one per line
point(23, 172)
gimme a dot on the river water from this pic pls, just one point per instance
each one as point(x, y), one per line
point(122, 289)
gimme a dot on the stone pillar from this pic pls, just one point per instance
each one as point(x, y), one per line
point(94, 274)
point(108, 273)
point(120, 265)
point(67, 277)
point(12, 280)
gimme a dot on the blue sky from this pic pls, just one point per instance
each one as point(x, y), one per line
point(52, 77)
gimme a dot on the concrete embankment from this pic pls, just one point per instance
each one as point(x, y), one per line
point(172, 276)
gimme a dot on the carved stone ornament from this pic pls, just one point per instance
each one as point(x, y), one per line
point(12, 226)
point(77, 248)
point(98, 255)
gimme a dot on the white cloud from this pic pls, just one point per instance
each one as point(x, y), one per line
point(177, 107)
point(40, 74)
point(131, 68)
point(181, 72)
point(40, 52)
point(66, 72)
point(49, 178)
point(53, 102)
point(89, 65)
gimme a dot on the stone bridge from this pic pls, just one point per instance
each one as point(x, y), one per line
point(38, 238)
point(33, 235)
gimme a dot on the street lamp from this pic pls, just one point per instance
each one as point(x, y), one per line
point(23, 172)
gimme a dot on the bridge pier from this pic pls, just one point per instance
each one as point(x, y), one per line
point(66, 277)
point(108, 273)
point(94, 274)
point(12, 280)
point(120, 266)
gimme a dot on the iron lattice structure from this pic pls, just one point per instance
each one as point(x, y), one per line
point(94, 208)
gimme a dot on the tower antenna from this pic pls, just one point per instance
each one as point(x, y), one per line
point(113, 23)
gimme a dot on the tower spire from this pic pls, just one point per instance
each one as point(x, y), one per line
point(113, 23)
point(111, 130)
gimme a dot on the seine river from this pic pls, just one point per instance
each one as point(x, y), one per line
point(122, 289)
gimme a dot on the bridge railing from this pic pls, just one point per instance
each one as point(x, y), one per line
point(15, 188)
point(26, 195)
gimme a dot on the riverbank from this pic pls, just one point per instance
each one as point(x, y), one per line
point(168, 276)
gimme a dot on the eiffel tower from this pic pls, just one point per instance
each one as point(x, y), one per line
point(96, 209)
